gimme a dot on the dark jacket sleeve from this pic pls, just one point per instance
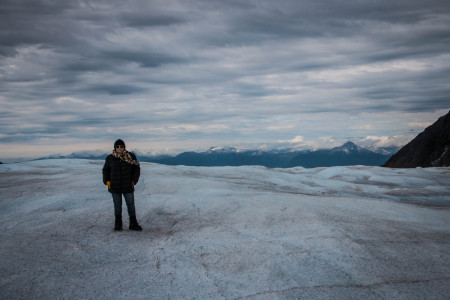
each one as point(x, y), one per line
point(136, 171)
point(106, 170)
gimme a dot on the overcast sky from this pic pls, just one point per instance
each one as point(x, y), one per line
point(168, 76)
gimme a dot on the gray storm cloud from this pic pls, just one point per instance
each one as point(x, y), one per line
point(202, 72)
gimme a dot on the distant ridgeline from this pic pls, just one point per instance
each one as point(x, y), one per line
point(431, 148)
point(346, 155)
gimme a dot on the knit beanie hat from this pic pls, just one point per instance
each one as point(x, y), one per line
point(119, 142)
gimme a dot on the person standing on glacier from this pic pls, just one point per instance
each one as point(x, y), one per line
point(121, 173)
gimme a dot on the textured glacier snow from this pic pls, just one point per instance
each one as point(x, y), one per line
point(225, 232)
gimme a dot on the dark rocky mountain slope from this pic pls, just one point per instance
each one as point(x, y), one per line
point(431, 148)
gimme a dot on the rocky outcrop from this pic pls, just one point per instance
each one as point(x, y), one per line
point(431, 148)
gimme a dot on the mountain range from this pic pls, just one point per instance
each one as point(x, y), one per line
point(345, 155)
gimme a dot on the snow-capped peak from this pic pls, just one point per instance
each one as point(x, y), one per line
point(222, 149)
point(348, 147)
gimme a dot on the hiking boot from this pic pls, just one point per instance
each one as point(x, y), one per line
point(134, 224)
point(118, 223)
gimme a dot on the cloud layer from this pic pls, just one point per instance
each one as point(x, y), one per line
point(169, 75)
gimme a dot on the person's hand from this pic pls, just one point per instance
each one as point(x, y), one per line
point(108, 183)
point(132, 183)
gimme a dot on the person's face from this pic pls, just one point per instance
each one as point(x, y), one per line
point(120, 148)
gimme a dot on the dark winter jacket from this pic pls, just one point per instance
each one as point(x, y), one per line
point(122, 175)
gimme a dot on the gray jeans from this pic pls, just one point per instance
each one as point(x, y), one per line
point(129, 199)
